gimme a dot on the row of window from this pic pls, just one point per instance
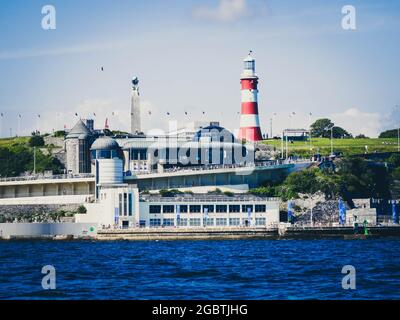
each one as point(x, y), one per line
point(196, 222)
point(195, 208)
point(125, 205)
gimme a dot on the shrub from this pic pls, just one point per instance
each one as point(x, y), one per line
point(82, 209)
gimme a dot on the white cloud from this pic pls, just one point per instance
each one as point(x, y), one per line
point(225, 11)
point(356, 122)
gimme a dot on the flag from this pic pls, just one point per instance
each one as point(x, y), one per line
point(289, 211)
point(116, 215)
point(249, 215)
point(342, 212)
point(178, 214)
point(206, 214)
point(394, 211)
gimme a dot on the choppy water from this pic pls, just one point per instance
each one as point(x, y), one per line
point(242, 269)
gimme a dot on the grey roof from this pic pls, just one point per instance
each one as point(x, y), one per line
point(105, 143)
point(78, 130)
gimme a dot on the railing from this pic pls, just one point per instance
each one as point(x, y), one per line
point(226, 166)
point(208, 198)
point(51, 177)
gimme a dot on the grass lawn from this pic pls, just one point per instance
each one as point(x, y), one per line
point(346, 146)
point(6, 142)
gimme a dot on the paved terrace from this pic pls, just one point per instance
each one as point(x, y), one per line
point(46, 179)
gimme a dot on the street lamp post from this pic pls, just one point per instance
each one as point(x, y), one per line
point(34, 160)
point(398, 133)
point(309, 132)
point(330, 128)
point(271, 120)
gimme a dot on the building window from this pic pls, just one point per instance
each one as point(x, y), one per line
point(246, 207)
point(194, 208)
point(221, 222)
point(183, 208)
point(234, 221)
point(155, 209)
point(194, 222)
point(130, 204)
point(143, 154)
point(104, 154)
point(208, 221)
point(221, 208)
point(210, 207)
point(260, 221)
point(142, 223)
point(120, 204)
point(168, 222)
point(234, 208)
point(125, 204)
point(260, 208)
point(182, 222)
point(155, 222)
point(168, 208)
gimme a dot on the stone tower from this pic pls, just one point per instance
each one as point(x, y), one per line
point(135, 107)
point(77, 147)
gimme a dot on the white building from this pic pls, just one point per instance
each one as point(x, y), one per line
point(121, 206)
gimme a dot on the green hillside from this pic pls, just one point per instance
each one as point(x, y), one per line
point(16, 157)
point(348, 146)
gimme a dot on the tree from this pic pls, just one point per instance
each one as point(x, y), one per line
point(389, 134)
point(361, 136)
point(394, 160)
point(322, 129)
point(36, 141)
point(318, 128)
point(60, 134)
point(362, 179)
point(304, 181)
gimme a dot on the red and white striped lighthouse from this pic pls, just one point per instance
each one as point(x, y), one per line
point(249, 121)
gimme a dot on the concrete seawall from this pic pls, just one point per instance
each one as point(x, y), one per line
point(90, 231)
point(188, 234)
point(248, 233)
point(46, 230)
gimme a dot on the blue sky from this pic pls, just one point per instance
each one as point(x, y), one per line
point(188, 57)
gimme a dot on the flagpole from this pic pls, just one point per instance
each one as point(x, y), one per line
point(1, 124)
